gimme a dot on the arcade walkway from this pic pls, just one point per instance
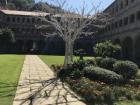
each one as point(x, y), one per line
point(39, 86)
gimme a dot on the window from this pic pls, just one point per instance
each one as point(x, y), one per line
point(23, 19)
point(33, 20)
point(116, 8)
point(58, 19)
point(112, 26)
point(108, 27)
point(18, 19)
point(116, 24)
point(132, 18)
point(13, 19)
point(126, 2)
point(132, 1)
point(121, 5)
point(28, 20)
point(120, 23)
point(38, 20)
point(125, 20)
point(8, 19)
point(138, 15)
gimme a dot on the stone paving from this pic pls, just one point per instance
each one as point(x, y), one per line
point(39, 86)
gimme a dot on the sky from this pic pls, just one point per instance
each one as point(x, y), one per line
point(78, 3)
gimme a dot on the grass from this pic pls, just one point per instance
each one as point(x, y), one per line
point(10, 68)
point(128, 103)
point(52, 59)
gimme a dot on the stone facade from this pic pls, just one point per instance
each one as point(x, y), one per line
point(124, 28)
point(29, 38)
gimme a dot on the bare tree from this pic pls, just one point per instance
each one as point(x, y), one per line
point(73, 24)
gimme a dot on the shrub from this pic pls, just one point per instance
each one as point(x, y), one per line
point(76, 74)
point(106, 49)
point(63, 73)
point(97, 73)
point(80, 64)
point(98, 60)
point(107, 63)
point(91, 62)
point(127, 69)
point(138, 96)
point(56, 68)
point(109, 96)
point(135, 82)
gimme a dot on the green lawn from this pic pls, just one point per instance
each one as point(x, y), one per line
point(52, 59)
point(128, 103)
point(10, 68)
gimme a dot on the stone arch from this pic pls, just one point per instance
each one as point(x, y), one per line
point(19, 46)
point(137, 48)
point(117, 41)
point(41, 45)
point(127, 48)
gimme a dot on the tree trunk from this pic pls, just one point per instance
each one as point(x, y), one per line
point(68, 54)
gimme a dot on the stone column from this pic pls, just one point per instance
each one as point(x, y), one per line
point(24, 47)
point(134, 50)
point(34, 45)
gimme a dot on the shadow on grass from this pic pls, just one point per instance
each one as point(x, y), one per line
point(7, 89)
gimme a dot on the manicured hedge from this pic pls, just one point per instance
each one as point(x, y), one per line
point(107, 63)
point(97, 73)
point(127, 69)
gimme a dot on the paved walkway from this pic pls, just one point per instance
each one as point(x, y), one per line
point(38, 86)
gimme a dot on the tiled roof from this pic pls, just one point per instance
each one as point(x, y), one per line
point(24, 13)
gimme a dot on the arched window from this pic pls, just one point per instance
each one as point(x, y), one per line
point(112, 26)
point(116, 24)
point(132, 1)
point(126, 2)
point(138, 15)
point(132, 18)
point(108, 27)
point(121, 5)
point(125, 20)
point(120, 23)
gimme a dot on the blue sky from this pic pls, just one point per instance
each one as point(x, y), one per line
point(78, 3)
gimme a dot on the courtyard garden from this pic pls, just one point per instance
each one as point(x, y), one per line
point(100, 80)
point(10, 68)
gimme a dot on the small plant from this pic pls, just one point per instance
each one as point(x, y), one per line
point(109, 96)
point(76, 74)
point(81, 53)
point(127, 69)
point(80, 64)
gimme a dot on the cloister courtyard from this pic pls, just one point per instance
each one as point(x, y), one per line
point(65, 52)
